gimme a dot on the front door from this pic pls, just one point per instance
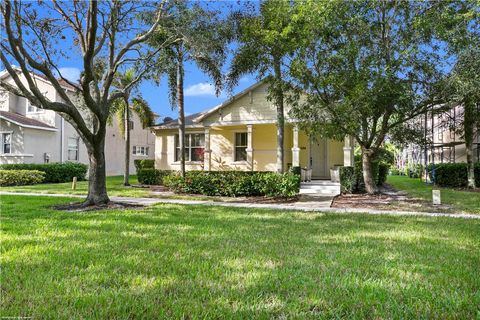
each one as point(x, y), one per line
point(318, 158)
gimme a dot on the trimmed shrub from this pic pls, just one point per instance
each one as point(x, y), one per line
point(353, 182)
point(348, 181)
point(151, 176)
point(383, 169)
point(235, 183)
point(144, 164)
point(453, 175)
point(54, 172)
point(395, 172)
point(415, 171)
point(296, 170)
point(20, 177)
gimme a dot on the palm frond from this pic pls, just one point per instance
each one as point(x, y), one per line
point(141, 108)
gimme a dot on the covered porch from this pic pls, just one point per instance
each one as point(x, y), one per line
point(253, 147)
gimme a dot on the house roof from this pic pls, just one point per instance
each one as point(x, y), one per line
point(64, 84)
point(172, 124)
point(196, 118)
point(25, 122)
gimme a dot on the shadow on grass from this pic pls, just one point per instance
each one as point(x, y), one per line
point(184, 261)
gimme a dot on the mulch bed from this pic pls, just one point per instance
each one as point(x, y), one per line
point(79, 207)
point(387, 199)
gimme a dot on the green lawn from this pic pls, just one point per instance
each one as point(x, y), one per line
point(171, 261)
point(115, 187)
point(464, 201)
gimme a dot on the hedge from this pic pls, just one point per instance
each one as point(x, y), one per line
point(235, 183)
point(348, 181)
point(54, 172)
point(151, 176)
point(351, 178)
point(453, 175)
point(144, 164)
point(20, 177)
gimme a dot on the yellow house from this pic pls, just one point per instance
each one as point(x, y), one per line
point(240, 134)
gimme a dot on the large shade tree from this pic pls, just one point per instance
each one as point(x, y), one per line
point(365, 70)
point(37, 36)
point(265, 41)
point(201, 37)
point(130, 105)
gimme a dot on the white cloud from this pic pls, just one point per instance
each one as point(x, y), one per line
point(200, 89)
point(72, 74)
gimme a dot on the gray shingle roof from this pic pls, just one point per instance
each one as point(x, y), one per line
point(174, 123)
point(23, 121)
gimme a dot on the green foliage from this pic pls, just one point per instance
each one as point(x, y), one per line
point(144, 164)
point(235, 183)
point(353, 180)
point(453, 175)
point(395, 172)
point(348, 180)
point(151, 176)
point(54, 172)
point(383, 169)
point(296, 170)
point(415, 171)
point(20, 177)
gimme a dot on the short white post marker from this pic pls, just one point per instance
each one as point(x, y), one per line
point(436, 197)
point(74, 183)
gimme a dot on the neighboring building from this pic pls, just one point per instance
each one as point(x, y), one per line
point(444, 143)
point(29, 134)
point(241, 134)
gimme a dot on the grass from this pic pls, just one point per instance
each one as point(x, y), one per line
point(171, 261)
point(464, 201)
point(115, 187)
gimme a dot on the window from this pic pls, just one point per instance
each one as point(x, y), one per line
point(130, 125)
point(32, 109)
point(73, 149)
point(6, 143)
point(194, 147)
point(140, 151)
point(240, 146)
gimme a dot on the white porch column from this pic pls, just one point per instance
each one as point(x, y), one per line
point(207, 151)
point(250, 146)
point(295, 149)
point(348, 152)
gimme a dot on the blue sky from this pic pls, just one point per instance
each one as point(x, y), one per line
point(199, 91)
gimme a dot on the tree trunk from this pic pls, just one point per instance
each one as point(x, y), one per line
point(126, 172)
point(370, 185)
point(280, 115)
point(181, 114)
point(469, 124)
point(97, 189)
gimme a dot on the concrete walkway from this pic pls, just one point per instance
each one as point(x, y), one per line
point(294, 206)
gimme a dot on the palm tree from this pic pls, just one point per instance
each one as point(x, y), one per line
point(264, 42)
point(124, 108)
point(200, 37)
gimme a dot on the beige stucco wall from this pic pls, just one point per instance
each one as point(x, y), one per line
point(36, 142)
point(252, 107)
point(264, 141)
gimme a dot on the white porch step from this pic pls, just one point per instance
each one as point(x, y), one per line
point(323, 187)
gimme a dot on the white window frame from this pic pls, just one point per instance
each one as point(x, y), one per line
point(235, 147)
point(37, 110)
point(188, 147)
point(2, 136)
point(140, 151)
point(75, 148)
